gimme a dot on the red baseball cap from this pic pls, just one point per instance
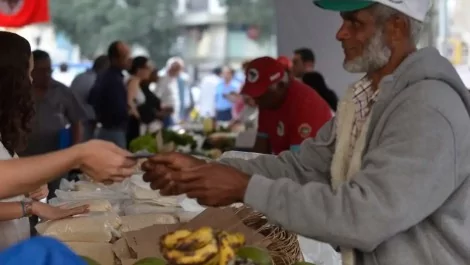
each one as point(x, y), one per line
point(284, 60)
point(260, 74)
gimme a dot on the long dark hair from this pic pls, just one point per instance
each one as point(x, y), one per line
point(16, 104)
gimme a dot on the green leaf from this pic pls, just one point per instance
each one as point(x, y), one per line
point(259, 256)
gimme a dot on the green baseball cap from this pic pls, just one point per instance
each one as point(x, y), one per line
point(343, 5)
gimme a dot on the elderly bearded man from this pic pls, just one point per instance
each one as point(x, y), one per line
point(387, 180)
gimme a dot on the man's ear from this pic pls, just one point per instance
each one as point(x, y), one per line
point(397, 30)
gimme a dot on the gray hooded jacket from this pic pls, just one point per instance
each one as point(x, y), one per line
point(410, 202)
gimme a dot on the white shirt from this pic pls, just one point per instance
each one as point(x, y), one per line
point(206, 103)
point(13, 231)
point(168, 92)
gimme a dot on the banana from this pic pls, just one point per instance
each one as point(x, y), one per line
point(213, 261)
point(196, 240)
point(199, 256)
point(236, 240)
point(226, 252)
point(171, 239)
point(204, 246)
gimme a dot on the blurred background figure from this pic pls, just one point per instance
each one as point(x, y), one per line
point(303, 62)
point(208, 87)
point(81, 87)
point(317, 81)
point(140, 113)
point(57, 122)
point(152, 102)
point(225, 95)
point(303, 68)
point(174, 91)
point(109, 96)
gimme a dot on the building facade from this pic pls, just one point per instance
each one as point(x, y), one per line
point(207, 40)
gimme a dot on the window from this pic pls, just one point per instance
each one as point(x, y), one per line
point(197, 5)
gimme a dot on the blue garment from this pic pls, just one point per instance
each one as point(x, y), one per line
point(168, 122)
point(223, 115)
point(222, 89)
point(40, 251)
point(109, 99)
point(65, 138)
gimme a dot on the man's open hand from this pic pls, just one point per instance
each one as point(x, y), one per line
point(158, 168)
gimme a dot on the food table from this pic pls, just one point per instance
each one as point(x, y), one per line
point(128, 219)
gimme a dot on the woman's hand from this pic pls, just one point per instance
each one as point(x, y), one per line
point(47, 212)
point(104, 161)
point(40, 193)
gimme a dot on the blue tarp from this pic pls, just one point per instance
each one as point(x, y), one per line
point(40, 251)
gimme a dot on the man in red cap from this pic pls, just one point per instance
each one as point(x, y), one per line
point(289, 111)
point(286, 62)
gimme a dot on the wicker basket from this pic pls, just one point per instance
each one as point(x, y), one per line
point(284, 247)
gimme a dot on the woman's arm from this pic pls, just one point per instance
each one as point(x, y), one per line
point(10, 211)
point(132, 88)
point(14, 210)
point(98, 159)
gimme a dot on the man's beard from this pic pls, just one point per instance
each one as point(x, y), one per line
point(375, 56)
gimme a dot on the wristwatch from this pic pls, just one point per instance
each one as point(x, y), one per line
point(27, 206)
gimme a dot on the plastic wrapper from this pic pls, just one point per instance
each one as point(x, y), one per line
point(88, 186)
point(142, 195)
point(99, 252)
point(148, 208)
point(92, 228)
point(68, 196)
point(137, 222)
point(66, 185)
point(94, 205)
point(318, 252)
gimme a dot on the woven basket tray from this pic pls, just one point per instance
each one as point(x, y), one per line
point(284, 247)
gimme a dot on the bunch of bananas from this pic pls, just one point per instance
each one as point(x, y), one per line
point(204, 246)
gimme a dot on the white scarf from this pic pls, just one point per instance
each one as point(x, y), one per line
point(343, 165)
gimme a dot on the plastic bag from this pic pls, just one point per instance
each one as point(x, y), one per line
point(137, 222)
point(66, 185)
point(94, 205)
point(148, 208)
point(191, 205)
point(144, 195)
point(318, 252)
point(68, 196)
point(92, 228)
point(88, 186)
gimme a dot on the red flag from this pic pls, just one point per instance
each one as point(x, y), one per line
point(19, 13)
